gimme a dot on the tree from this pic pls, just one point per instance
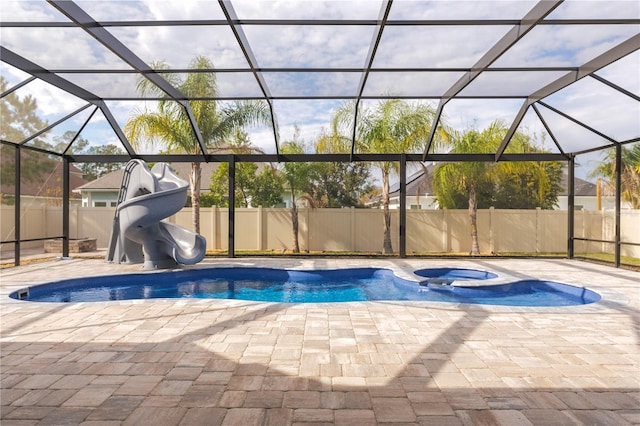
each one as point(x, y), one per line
point(339, 184)
point(19, 120)
point(483, 184)
point(245, 177)
point(630, 173)
point(171, 127)
point(252, 188)
point(93, 171)
point(268, 188)
point(296, 177)
point(392, 126)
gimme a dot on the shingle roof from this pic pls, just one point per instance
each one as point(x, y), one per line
point(49, 184)
point(112, 181)
point(582, 188)
point(418, 182)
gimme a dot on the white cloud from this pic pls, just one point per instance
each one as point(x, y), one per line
point(52, 102)
point(435, 46)
point(464, 114)
point(307, 9)
point(618, 72)
point(167, 44)
point(510, 83)
point(586, 9)
point(305, 84)
point(310, 46)
point(59, 48)
point(600, 107)
point(428, 84)
point(460, 9)
point(24, 11)
point(571, 45)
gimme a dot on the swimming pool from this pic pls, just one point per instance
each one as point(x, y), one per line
point(294, 286)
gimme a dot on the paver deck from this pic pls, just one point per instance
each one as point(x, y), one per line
point(229, 362)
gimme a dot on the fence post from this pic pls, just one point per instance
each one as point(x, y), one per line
point(538, 229)
point(259, 218)
point(353, 229)
point(445, 231)
point(77, 222)
point(307, 227)
point(214, 231)
point(492, 229)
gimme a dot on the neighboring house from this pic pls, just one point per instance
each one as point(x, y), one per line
point(47, 189)
point(420, 193)
point(103, 192)
point(586, 196)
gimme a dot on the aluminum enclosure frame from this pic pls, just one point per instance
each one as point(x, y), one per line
point(536, 17)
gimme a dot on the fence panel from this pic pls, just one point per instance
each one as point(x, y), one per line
point(514, 231)
point(426, 231)
point(330, 230)
point(552, 231)
point(630, 232)
point(356, 230)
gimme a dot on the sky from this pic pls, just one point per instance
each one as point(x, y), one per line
point(441, 47)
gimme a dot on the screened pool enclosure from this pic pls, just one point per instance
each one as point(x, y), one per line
point(74, 74)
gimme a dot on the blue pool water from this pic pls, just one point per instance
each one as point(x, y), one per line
point(286, 286)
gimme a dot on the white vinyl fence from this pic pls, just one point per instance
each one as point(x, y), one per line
point(356, 230)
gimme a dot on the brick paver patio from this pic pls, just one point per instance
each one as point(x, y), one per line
point(231, 362)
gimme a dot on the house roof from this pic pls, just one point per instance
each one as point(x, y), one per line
point(49, 183)
point(111, 181)
point(582, 188)
point(419, 184)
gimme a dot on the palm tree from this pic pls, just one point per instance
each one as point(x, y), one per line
point(451, 179)
point(630, 173)
point(170, 126)
point(297, 177)
point(392, 126)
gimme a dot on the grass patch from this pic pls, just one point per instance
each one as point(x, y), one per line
point(372, 254)
point(608, 258)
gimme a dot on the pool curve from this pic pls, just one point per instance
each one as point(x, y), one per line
point(311, 286)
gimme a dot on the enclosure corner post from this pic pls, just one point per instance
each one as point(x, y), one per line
point(618, 202)
point(17, 207)
point(65, 207)
point(403, 205)
point(232, 206)
point(571, 206)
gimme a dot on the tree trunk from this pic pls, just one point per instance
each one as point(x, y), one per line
point(386, 243)
point(473, 213)
point(294, 221)
point(194, 183)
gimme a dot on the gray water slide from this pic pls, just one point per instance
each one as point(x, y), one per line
point(139, 233)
